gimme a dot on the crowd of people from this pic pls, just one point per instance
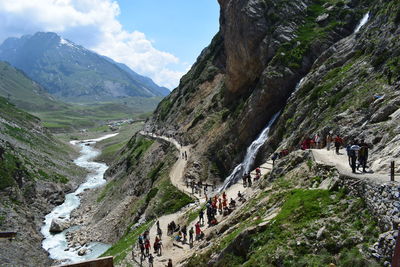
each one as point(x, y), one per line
point(218, 204)
point(144, 246)
point(357, 152)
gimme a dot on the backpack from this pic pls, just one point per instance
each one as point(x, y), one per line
point(363, 151)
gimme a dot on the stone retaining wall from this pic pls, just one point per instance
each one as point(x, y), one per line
point(383, 201)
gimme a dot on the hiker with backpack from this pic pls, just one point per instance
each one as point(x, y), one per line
point(363, 155)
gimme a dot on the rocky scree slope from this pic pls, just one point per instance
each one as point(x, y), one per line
point(36, 171)
point(247, 74)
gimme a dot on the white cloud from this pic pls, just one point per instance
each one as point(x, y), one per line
point(93, 24)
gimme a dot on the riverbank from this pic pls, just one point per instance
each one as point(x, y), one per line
point(57, 245)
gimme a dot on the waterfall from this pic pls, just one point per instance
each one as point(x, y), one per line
point(363, 21)
point(251, 154)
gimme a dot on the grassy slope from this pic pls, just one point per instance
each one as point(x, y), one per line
point(35, 154)
point(290, 239)
point(23, 92)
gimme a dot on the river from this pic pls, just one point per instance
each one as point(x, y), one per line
point(56, 244)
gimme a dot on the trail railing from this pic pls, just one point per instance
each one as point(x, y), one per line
point(392, 172)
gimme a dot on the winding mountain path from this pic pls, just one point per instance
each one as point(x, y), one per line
point(177, 251)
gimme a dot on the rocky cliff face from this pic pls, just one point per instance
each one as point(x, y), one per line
point(352, 90)
point(248, 72)
point(35, 173)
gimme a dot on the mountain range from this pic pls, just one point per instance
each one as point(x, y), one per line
point(73, 73)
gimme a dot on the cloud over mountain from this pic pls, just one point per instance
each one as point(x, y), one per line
point(93, 24)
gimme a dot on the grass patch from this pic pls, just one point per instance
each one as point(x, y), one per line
point(170, 199)
point(124, 246)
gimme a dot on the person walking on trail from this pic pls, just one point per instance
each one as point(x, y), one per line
point(249, 179)
point(244, 180)
point(156, 243)
point(258, 171)
point(363, 155)
point(198, 230)
point(185, 155)
point(201, 216)
point(317, 140)
point(147, 246)
point(169, 263)
point(151, 260)
point(274, 157)
point(142, 255)
point(353, 155)
point(159, 232)
point(338, 142)
point(140, 240)
point(184, 233)
point(159, 248)
point(328, 141)
point(191, 232)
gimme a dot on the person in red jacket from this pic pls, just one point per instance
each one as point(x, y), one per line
point(198, 230)
point(338, 142)
point(147, 246)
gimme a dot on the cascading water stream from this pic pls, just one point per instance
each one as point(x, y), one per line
point(251, 154)
point(56, 244)
point(362, 22)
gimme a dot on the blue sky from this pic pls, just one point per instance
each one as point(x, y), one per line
point(157, 38)
point(181, 27)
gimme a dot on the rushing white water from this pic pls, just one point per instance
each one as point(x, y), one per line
point(56, 244)
point(251, 154)
point(363, 21)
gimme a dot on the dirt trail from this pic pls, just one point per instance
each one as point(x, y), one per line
point(178, 251)
point(341, 162)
